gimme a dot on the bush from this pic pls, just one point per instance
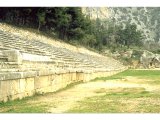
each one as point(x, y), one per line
point(89, 40)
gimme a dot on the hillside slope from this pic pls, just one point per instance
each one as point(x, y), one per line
point(146, 19)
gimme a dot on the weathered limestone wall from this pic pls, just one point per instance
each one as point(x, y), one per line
point(17, 85)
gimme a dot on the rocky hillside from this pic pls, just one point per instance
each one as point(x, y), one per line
point(146, 19)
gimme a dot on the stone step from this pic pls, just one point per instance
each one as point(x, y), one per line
point(61, 56)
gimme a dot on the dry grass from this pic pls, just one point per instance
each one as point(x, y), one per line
point(120, 100)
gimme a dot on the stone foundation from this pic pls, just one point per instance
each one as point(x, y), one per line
point(17, 85)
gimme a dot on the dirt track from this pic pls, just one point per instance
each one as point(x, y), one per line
point(65, 100)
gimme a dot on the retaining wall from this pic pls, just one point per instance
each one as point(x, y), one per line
point(17, 85)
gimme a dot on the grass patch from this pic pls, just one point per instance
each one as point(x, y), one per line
point(146, 74)
point(24, 105)
point(122, 100)
point(126, 100)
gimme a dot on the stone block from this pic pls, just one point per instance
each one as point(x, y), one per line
point(29, 74)
point(29, 84)
point(74, 78)
point(5, 88)
point(2, 90)
point(79, 76)
point(54, 83)
point(13, 56)
point(22, 84)
point(10, 75)
point(46, 72)
point(32, 57)
point(41, 82)
point(58, 81)
point(67, 78)
point(14, 87)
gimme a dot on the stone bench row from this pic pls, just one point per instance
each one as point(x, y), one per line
point(39, 48)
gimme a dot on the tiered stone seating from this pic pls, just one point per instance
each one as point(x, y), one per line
point(30, 66)
point(62, 57)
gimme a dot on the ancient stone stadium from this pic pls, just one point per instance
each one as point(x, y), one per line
point(33, 64)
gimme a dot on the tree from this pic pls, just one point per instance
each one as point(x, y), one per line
point(132, 36)
point(41, 14)
point(89, 40)
point(78, 24)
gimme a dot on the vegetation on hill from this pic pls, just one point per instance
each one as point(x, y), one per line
point(71, 25)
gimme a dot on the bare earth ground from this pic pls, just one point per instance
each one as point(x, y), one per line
point(65, 100)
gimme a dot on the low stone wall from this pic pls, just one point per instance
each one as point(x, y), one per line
point(17, 85)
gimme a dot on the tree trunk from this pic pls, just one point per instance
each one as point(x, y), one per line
point(39, 25)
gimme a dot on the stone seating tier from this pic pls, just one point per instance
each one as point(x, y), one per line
point(60, 57)
point(34, 65)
